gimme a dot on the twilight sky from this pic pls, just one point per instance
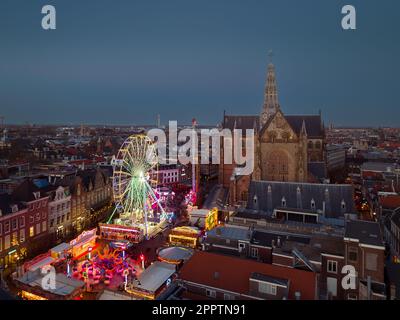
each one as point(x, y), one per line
point(122, 62)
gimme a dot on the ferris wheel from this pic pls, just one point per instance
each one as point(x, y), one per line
point(133, 185)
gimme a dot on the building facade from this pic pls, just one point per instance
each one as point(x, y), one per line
point(284, 145)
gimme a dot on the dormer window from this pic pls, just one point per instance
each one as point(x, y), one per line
point(343, 206)
point(14, 208)
point(283, 201)
point(312, 204)
point(36, 195)
point(255, 200)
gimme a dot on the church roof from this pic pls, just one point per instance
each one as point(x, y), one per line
point(241, 122)
point(269, 195)
point(313, 123)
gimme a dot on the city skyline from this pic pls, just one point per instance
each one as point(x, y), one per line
point(190, 60)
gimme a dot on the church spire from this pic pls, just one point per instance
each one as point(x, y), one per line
point(271, 104)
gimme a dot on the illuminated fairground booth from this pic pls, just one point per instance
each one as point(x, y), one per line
point(185, 236)
point(138, 212)
point(204, 218)
point(84, 244)
point(115, 232)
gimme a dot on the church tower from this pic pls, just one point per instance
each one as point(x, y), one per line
point(271, 104)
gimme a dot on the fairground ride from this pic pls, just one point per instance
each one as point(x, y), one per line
point(136, 203)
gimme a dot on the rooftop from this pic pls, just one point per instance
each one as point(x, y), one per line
point(203, 267)
point(390, 201)
point(225, 232)
point(366, 232)
point(154, 276)
point(64, 286)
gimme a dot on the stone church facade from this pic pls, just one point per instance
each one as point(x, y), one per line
point(285, 145)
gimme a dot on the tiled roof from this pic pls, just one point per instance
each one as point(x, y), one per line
point(299, 195)
point(390, 202)
point(234, 274)
point(241, 122)
point(313, 124)
point(25, 191)
point(6, 202)
point(366, 232)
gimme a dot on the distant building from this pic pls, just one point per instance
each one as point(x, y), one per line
point(335, 157)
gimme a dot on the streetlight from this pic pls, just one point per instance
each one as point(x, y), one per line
point(142, 259)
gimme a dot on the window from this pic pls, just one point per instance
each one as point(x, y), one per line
point(331, 284)
point(44, 226)
point(254, 252)
point(1, 229)
point(38, 228)
point(352, 296)
point(31, 219)
point(283, 202)
point(22, 222)
point(228, 296)
point(352, 254)
point(7, 227)
point(267, 288)
point(14, 224)
point(371, 261)
point(22, 235)
point(14, 239)
point(6, 242)
point(211, 293)
point(312, 204)
point(332, 266)
point(31, 231)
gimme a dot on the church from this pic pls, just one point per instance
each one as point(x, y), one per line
point(287, 147)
